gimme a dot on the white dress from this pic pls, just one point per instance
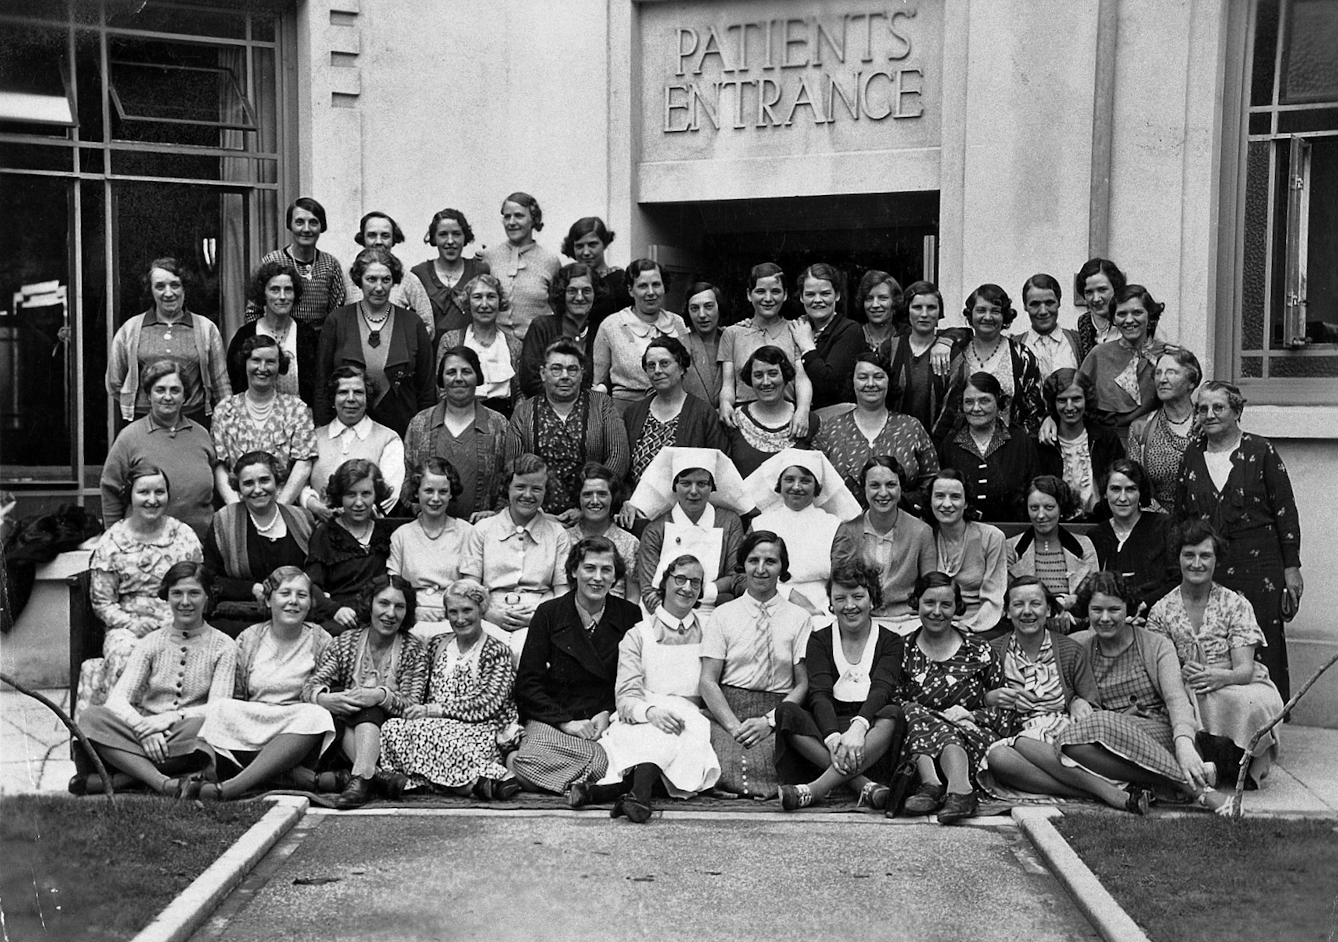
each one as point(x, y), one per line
point(670, 676)
point(808, 536)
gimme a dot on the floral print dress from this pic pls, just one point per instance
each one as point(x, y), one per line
point(931, 687)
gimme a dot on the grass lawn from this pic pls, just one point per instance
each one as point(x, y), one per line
point(1201, 878)
point(78, 868)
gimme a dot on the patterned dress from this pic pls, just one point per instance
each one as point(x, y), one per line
point(751, 443)
point(1160, 451)
point(1132, 720)
point(655, 435)
point(1256, 513)
point(474, 692)
point(288, 432)
point(561, 442)
point(931, 687)
point(126, 575)
point(901, 436)
point(1235, 711)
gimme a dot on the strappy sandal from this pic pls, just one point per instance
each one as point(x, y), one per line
point(177, 789)
point(794, 797)
point(874, 796)
point(199, 788)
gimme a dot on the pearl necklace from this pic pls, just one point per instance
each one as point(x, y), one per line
point(258, 412)
point(273, 522)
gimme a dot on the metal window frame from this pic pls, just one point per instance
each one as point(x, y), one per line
point(151, 119)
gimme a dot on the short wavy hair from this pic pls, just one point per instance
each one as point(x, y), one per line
point(521, 198)
point(914, 290)
point(160, 368)
point(470, 589)
point(991, 294)
point(1059, 381)
point(1106, 583)
point(872, 279)
point(448, 213)
point(1194, 531)
point(281, 575)
point(675, 347)
point(1235, 398)
point(461, 352)
point(884, 461)
point(1054, 487)
point(378, 585)
point(772, 356)
point(190, 569)
point(1022, 582)
point(594, 471)
point(439, 466)
point(1134, 472)
point(351, 472)
point(396, 233)
point(1042, 282)
point(462, 292)
point(255, 342)
point(376, 256)
point(1099, 266)
point(854, 574)
point(267, 272)
point(311, 206)
point(351, 371)
point(672, 567)
point(594, 544)
point(582, 228)
point(251, 458)
point(557, 289)
point(938, 580)
point(757, 537)
point(138, 470)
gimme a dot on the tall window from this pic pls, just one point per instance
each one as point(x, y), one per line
point(1289, 279)
point(128, 132)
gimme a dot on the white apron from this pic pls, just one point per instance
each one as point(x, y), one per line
point(687, 760)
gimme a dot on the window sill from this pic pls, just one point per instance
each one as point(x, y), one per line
point(1282, 422)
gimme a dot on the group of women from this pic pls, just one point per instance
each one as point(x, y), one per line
point(552, 536)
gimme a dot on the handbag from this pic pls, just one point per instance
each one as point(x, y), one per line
point(902, 784)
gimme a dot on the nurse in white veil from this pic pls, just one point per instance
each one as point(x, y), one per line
point(802, 497)
point(694, 498)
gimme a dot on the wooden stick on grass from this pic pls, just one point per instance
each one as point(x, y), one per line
point(74, 729)
point(1238, 796)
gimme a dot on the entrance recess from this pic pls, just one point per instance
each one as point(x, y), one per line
point(720, 241)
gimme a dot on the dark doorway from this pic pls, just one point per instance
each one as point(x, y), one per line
point(721, 241)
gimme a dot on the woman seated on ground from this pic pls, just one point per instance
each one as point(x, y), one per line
point(1082, 449)
point(1047, 679)
point(669, 415)
point(127, 569)
point(895, 544)
point(765, 426)
point(565, 684)
point(950, 725)
point(599, 500)
point(852, 729)
point(1215, 635)
point(1123, 371)
point(498, 352)
point(367, 676)
point(1142, 732)
point(803, 500)
point(1062, 560)
point(352, 433)
point(149, 728)
point(427, 552)
point(996, 459)
point(450, 741)
point(694, 498)
point(973, 553)
point(167, 439)
point(1134, 540)
point(267, 731)
point(349, 551)
point(519, 554)
point(250, 539)
point(850, 440)
point(659, 734)
point(753, 652)
point(263, 419)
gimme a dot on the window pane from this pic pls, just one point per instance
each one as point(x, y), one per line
point(173, 18)
point(92, 319)
point(1322, 274)
point(1265, 52)
point(1285, 367)
point(35, 378)
point(1252, 367)
point(1312, 119)
point(33, 94)
point(1256, 247)
point(1310, 72)
point(179, 82)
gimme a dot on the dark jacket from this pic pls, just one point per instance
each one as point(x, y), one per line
point(1145, 561)
point(1103, 445)
point(831, 364)
point(308, 352)
point(994, 483)
point(566, 674)
point(446, 310)
point(698, 424)
point(408, 367)
point(545, 329)
point(885, 678)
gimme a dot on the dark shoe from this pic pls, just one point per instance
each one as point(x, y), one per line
point(632, 808)
point(504, 789)
point(335, 781)
point(874, 796)
point(794, 797)
point(390, 784)
point(926, 800)
point(958, 807)
point(198, 788)
point(1138, 801)
point(356, 794)
point(578, 795)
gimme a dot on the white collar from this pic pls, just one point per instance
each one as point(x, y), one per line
point(670, 623)
point(679, 516)
point(362, 429)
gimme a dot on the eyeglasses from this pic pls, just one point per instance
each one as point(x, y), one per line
point(557, 369)
point(680, 581)
point(580, 292)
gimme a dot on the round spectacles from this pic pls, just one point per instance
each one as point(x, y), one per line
point(681, 580)
point(580, 292)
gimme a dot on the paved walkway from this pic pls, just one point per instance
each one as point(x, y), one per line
point(35, 757)
point(579, 876)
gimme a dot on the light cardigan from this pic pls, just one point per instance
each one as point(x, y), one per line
point(1163, 669)
point(1074, 663)
point(174, 671)
point(620, 344)
point(337, 671)
point(525, 275)
point(209, 354)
